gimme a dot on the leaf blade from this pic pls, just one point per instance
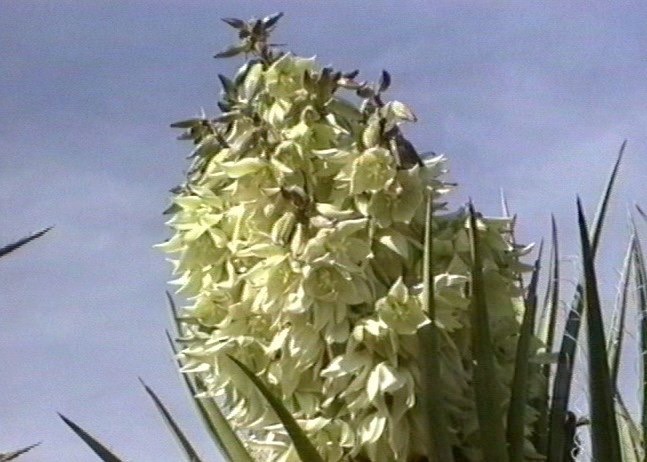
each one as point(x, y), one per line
point(7, 249)
point(488, 404)
point(604, 426)
point(6, 457)
point(99, 449)
point(177, 432)
point(614, 346)
point(557, 442)
point(304, 447)
point(640, 271)
point(519, 390)
point(432, 400)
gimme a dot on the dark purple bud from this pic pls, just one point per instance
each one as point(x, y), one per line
point(271, 20)
point(234, 22)
point(384, 82)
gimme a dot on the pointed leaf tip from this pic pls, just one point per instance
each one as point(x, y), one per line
point(604, 427)
point(179, 435)
point(99, 449)
point(19, 243)
point(6, 457)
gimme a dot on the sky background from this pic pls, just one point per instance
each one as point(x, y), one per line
point(533, 98)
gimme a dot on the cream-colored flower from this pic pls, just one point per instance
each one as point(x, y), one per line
point(299, 247)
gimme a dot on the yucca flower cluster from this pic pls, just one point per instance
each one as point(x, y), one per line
point(298, 242)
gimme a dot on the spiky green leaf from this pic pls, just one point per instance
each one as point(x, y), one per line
point(304, 447)
point(546, 334)
point(430, 395)
point(614, 346)
point(604, 427)
point(565, 366)
point(519, 389)
point(640, 270)
point(7, 249)
point(178, 434)
point(99, 449)
point(6, 457)
point(486, 382)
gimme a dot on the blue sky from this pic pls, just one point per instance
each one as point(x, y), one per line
point(534, 98)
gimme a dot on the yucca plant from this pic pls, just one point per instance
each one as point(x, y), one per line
point(301, 241)
point(337, 311)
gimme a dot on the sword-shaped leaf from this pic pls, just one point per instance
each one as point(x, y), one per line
point(304, 447)
point(630, 436)
point(546, 333)
point(641, 285)
point(431, 390)
point(614, 346)
point(7, 249)
point(487, 387)
point(6, 457)
point(99, 449)
point(185, 445)
point(557, 440)
point(604, 426)
point(519, 390)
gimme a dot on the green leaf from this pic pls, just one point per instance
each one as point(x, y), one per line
point(551, 298)
point(487, 387)
point(563, 377)
point(640, 270)
point(304, 448)
point(6, 457)
point(432, 400)
point(99, 449)
point(600, 214)
point(185, 445)
point(519, 390)
point(614, 346)
point(7, 249)
point(604, 427)
point(546, 333)
point(630, 436)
